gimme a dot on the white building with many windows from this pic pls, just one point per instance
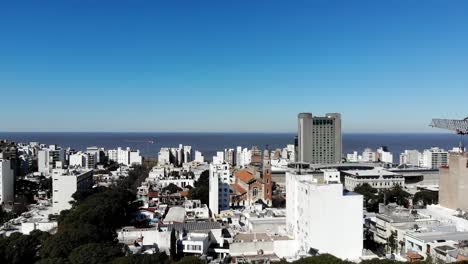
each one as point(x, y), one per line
point(411, 157)
point(322, 217)
point(48, 158)
point(435, 158)
point(199, 157)
point(65, 183)
point(125, 156)
point(378, 178)
point(220, 180)
point(7, 179)
point(385, 156)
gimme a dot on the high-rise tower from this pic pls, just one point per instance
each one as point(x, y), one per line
point(319, 138)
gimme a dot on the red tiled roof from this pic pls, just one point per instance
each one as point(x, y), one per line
point(153, 194)
point(244, 176)
point(149, 209)
point(183, 194)
point(413, 255)
point(239, 190)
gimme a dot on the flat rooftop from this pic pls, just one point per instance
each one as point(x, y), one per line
point(175, 214)
point(434, 236)
point(195, 226)
point(251, 237)
point(372, 172)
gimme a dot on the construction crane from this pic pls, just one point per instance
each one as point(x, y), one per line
point(460, 127)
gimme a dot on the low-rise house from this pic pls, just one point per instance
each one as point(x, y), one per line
point(248, 247)
point(195, 210)
point(396, 220)
point(440, 244)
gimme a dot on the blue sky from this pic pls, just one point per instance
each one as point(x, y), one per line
point(387, 66)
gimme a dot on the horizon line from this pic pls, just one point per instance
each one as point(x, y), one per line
point(227, 132)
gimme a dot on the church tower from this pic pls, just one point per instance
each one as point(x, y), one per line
point(266, 177)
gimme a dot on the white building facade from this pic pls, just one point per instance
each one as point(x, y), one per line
point(320, 216)
point(220, 180)
point(7, 179)
point(435, 158)
point(65, 183)
point(411, 157)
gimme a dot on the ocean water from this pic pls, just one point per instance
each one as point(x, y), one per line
point(209, 143)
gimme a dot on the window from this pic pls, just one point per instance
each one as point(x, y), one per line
point(255, 192)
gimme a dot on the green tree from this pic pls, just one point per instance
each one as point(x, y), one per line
point(160, 258)
point(426, 197)
point(393, 242)
point(172, 188)
point(201, 190)
point(19, 248)
point(397, 195)
point(95, 253)
point(191, 260)
point(321, 259)
point(371, 196)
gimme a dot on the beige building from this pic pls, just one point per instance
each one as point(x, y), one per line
point(319, 138)
point(453, 192)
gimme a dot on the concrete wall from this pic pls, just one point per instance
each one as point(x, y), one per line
point(453, 192)
point(251, 248)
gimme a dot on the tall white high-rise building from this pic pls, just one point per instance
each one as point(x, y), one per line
point(244, 157)
point(7, 180)
point(112, 155)
point(65, 183)
point(385, 155)
point(77, 160)
point(319, 138)
point(199, 157)
point(135, 158)
point(47, 158)
point(230, 156)
point(219, 158)
point(435, 158)
point(411, 157)
point(187, 153)
point(319, 216)
point(125, 156)
point(43, 161)
point(164, 156)
point(368, 155)
point(352, 157)
point(219, 181)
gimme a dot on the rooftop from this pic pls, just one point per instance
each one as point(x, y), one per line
point(175, 214)
point(251, 237)
point(373, 172)
point(238, 189)
point(434, 236)
point(245, 176)
point(195, 226)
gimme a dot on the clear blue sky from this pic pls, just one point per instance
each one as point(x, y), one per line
point(82, 65)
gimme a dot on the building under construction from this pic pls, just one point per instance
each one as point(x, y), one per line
point(453, 183)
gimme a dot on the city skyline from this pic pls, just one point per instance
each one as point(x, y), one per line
point(231, 67)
